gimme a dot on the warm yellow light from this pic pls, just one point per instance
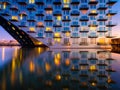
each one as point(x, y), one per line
point(48, 29)
point(4, 6)
point(14, 17)
point(58, 40)
point(31, 66)
point(31, 1)
point(57, 59)
point(92, 67)
point(21, 16)
point(93, 11)
point(84, 11)
point(57, 34)
point(67, 34)
point(58, 77)
point(66, 1)
point(92, 28)
point(59, 18)
point(102, 40)
point(32, 29)
point(93, 84)
point(47, 67)
point(67, 62)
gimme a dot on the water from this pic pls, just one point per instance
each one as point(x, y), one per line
point(58, 69)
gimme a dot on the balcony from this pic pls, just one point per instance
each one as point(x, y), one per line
point(101, 7)
point(84, 7)
point(31, 7)
point(14, 8)
point(5, 13)
point(66, 8)
point(84, 18)
point(75, 13)
point(22, 25)
point(111, 13)
point(75, 35)
point(102, 19)
point(57, 25)
point(110, 24)
point(31, 19)
point(85, 30)
point(93, 2)
point(57, 13)
point(57, 2)
point(102, 30)
point(75, 2)
point(49, 8)
point(39, 2)
point(7, 2)
point(111, 2)
point(66, 29)
point(92, 36)
point(66, 19)
point(22, 2)
point(75, 24)
point(40, 13)
point(48, 18)
point(93, 24)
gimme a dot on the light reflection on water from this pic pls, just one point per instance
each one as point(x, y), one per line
point(58, 69)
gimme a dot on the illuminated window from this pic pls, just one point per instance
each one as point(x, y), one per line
point(57, 35)
point(32, 1)
point(57, 40)
point(21, 16)
point(66, 1)
point(84, 11)
point(14, 17)
point(67, 34)
point(93, 28)
point(92, 67)
point(40, 24)
point(32, 29)
point(4, 6)
point(49, 12)
point(48, 29)
point(59, 18)
point(93, 11)
point(101, 40)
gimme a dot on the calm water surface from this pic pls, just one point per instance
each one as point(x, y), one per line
point(58, 69)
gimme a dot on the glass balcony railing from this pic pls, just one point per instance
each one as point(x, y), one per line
point(111, 24)
point(111, 2)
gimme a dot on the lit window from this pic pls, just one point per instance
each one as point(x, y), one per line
point(84, 11)
point(14, 17)
point(49, 12)
point(66, 1)
point(59, 18)
point(32, 1)
point(21, 16)
point(57, 40)
point(4, 6)
point(57, 34)
point(40, 24)
point(92, 67)
point(48, 29)
point(32, 29)
point(93, 11)
point(92, 28)
point(67, 34)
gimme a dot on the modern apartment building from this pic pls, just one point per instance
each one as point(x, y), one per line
point(62, 22)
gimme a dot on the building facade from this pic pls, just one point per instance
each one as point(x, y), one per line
point(62, 22)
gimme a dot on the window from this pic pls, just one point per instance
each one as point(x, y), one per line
point(75, 29)
point(84, 23)
point(14, 17)
point(58, 18)
point(48, 29)
point(66, 1)
point(32, 29)
point(49, 12)
point(83, 1)
point(102, 1)
point(4, 5)
point(48, 23)
point(66, 23)
point(93, 6)
point(57, 34)
point(31, 1)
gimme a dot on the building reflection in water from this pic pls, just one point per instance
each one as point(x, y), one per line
point(41, 69)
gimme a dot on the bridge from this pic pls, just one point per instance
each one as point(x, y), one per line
point(22, 37)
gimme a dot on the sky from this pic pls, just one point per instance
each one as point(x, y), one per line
point(115, 31)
